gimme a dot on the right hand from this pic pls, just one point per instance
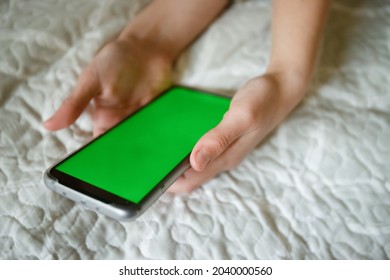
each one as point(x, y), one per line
point(124, 76)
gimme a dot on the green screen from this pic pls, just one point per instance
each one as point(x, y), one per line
point(137, 154)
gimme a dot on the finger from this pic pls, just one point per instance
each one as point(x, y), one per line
point(216, 141)
point(191, 180)
point(228, 160)
point(74, 105)
point(106, 117)
point(111, 107)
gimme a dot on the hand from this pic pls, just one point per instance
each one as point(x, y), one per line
point(122, 77)
point(256, 109)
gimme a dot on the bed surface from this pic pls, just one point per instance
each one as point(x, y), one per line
point(317, 188)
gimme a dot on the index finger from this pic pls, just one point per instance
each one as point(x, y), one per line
point(71, 108)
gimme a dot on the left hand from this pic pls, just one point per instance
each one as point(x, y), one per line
point(256, 109)
point(123, 76)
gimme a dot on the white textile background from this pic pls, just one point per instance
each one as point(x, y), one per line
point(317, 188)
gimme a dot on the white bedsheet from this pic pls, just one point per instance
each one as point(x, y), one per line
point(317, 188)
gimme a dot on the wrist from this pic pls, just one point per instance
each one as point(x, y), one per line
point(150, 39)
point(293, 81)
point(169, 26)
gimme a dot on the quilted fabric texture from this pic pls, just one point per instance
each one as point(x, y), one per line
point(317, 188)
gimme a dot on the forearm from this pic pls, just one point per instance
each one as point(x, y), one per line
point(297, 28)
point(171, 25)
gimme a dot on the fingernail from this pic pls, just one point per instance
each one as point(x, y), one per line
point(202, 159)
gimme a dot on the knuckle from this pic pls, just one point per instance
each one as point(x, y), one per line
point(219, 142)
point(245, 115)
point(248, 118)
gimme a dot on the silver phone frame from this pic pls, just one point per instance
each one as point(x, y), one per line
point(116, 211)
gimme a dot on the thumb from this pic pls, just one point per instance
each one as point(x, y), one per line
point(217, 140)
point(72, 107)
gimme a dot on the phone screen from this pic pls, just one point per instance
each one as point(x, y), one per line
point(133, 157)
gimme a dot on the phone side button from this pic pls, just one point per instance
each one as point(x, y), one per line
point(163, 188)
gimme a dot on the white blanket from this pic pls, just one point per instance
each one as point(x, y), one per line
point(317, 188)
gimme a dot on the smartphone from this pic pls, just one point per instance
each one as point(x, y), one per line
point(123, 171)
